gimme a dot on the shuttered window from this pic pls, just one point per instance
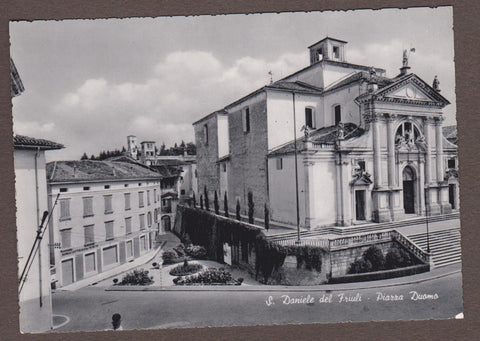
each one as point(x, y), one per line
point(128, 225)
point(127, 201)
point(110, 255)
point(88, 206)
point(89, 237)
point(108, 204)
point(65, 209)
point(142, 221)
point(66, 236)
point(148, 197)
point(140, 199)
point(109, 230)
point(129, 246)
point(90, 265)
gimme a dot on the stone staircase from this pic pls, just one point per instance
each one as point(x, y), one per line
point(444, 245)
point(371, 227)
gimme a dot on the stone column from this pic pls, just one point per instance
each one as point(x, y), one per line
point(339, 189)
point(439, 144)
point(309, 193)
point(428, 153)
point(377, 176)
point(392, 181)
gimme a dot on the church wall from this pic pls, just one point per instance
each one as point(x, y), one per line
point(280, 115)
point(223, 139)
point(248, 150)
point(349, 110)
point(313, 75)
point(207, 156)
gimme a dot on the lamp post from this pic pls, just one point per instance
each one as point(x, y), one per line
point(426, 219)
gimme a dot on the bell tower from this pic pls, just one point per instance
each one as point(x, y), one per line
point(327, 49)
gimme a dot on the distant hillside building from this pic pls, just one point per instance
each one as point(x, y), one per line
point(363, 146)
point(31, 201)
point(107, 215)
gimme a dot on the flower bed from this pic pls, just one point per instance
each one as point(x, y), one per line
point(137, 277)
point(188, 269)
point(211, 276)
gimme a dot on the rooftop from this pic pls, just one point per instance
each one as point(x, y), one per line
point(326, 135)
point(328, 38)
point(25, 142)
point(90, 170)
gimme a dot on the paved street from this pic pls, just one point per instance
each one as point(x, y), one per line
point(91, 308)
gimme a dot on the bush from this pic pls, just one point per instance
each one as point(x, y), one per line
point(210, 276)
point(398, 258)
point(239, 281)
point(360, 266)
point(182, 270)
point(137, 277)
point(169, 257)
point(375, 256)
point(115, 281)
point(180, 250)
point(196, 251)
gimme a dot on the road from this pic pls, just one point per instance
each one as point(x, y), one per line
point(91, 308)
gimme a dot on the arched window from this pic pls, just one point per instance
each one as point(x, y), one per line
point(407, 132)
point(337, 111)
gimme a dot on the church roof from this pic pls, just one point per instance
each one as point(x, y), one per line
point(326, 135)
point(328, 38)
point(362, 75)
point(91, 170)
point(295, 86)
point(25, 142)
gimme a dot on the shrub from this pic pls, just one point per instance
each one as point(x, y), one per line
point(115, 281)
point(238, 211)
point(210, 276)
point(239, 280)
point(186, 240)
point(375, 256)
point(215, 203)
point(137, 277)
point(207, 203)
point(225, 204)
point(251, 207)
point(360, 266)
point(397, 258)
point(267, 217)
point(196, 251)
point(182, 270)
point(169, 257)
point(180, 250)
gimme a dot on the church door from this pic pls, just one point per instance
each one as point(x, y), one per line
point(408, 190)
point(360, 205)
point(451, 195)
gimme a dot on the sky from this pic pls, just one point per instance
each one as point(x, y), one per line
point(91, 83)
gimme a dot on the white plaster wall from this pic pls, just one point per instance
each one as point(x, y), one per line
point(324, 205)
point(282, 190)
point(312, 75)
point(24, 163)
point(223, 138)
point(280, 115)
point(349, 109)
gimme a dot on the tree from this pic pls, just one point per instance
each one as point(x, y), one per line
point(207, 204)
point(201, 202)
point(238, 210)
point(191, 148)
point(163, 149)
point(123, 150)
point(267, 217)
point(84, 157)
point(215, 203)
point(194, 200)
point(251, 207)
point(225, 204)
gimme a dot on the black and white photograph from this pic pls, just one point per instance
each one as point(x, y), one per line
point(236, 170)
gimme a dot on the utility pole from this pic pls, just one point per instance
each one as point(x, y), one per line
point(296, 169)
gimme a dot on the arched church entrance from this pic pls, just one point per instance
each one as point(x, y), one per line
point(408, 190)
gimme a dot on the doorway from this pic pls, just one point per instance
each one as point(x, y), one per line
point(451, 195)
point(408, 190)
point(360, 205)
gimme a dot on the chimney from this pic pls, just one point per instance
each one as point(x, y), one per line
point(75, 171)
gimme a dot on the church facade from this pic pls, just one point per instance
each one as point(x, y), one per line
point(332, 144)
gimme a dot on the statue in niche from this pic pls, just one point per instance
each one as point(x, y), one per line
point(421, 143)
point(436, 84)
point(306, 131)
point(341, 131)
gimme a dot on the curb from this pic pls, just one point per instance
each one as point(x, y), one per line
point(269, 288)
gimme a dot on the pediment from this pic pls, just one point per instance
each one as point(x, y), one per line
point(409, 91)
point(412, 90)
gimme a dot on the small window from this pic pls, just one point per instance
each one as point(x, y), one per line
point(106, 186)
point(86, 188)
point(224, 167)
point(155, 195)
point(338, 114)
point(279, 163)
point(109, 230)
point(126, 185)
point(182, 192)
point(246, 120)
point(65, 209)
point(205, 133)
point(149, 219)
point(142, 221)
point(451, 163)
point(140, 200)
point(89, 237)
point(108, 204)
point(336, 52)
point(139, 184)
point(63, 190)
point(361, 164)
point(320, 54)
point(148, 197)
point(309, 118)
point(129, 246)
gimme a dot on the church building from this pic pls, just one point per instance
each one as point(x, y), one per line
point(332, 144)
